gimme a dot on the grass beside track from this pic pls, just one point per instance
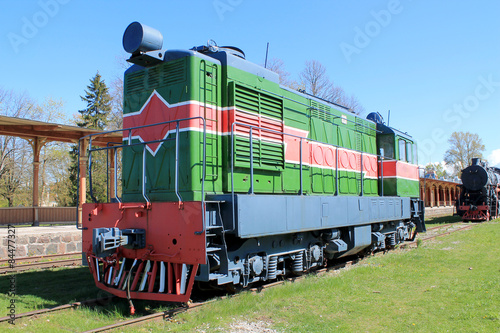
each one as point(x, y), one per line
point(450, 284)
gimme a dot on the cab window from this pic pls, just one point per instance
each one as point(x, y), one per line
point(402, 150)
point(387, 144)
point(415, 155)
point(408, 152)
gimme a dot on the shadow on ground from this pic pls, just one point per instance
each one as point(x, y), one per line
point(49, 288)
point(443, 219)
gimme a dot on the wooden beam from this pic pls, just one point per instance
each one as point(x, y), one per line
point(82, 189)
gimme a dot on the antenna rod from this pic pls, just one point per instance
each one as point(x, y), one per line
point(267, 51)
point(388, 117)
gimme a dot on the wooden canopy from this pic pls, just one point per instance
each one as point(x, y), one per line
point(33, 129)
point(38, 133)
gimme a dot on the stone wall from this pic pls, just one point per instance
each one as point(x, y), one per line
point(439, 211)
point(37, 241)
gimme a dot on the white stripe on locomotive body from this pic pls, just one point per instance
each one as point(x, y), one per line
point(286, 130)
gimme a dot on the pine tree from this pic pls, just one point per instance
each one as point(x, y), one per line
point(98, 101)
point(94, 116)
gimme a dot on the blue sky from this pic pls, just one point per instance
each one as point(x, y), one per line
point(434, 64)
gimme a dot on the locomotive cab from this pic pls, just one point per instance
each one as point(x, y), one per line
point(399, 172)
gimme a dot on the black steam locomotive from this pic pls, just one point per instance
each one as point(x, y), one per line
point(479, 196)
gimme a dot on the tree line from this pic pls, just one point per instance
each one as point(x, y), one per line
point(58, 161)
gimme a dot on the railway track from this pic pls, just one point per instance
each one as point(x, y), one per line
point(440, 231)
point(38, 258)
point(48, 261)
point(434, 233)
point(59, 308)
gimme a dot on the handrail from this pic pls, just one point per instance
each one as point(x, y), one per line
point(90, 173)
point(301, 190)
point(381, 171)
point(116, 177)
point(177, 162)
point(144, 177)
point(251, 161)
point(301, 138)
point(144, 145)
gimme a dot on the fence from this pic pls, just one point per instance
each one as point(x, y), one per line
point(34, 215)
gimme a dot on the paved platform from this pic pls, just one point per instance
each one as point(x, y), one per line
point(37, 241)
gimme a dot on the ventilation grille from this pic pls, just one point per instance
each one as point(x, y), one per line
point(265, 113)
point(321, 111)
point(156, 77)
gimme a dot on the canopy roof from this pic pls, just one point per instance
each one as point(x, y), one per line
point(32, 129)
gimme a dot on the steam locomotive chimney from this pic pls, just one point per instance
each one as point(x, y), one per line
point(475, 161)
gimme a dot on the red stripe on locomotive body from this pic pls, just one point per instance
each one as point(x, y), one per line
point(324, 156)
point(157, 110)
point(314, 154)
point(400, 169)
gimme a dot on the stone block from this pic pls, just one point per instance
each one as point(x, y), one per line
point(22, 240)
point(71, 247)
point(55, 239)
point(77, 237)
point(35, 250)
point(3, 252)
point(51, 249)
point(44, 239)
point(21, 251)
point(32, 240)
point(66, 238)
point(61, 247)
point(79, 246)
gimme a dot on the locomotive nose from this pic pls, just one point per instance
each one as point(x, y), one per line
point(141, 38)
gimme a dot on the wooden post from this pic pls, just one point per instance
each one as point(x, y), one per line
point(111, 174)
point(37, 145)
point(82, 192)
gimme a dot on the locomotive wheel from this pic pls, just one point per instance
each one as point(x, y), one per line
point(235, 288)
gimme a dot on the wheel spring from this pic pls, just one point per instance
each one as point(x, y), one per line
point(298, 263)
point(272, 268)
point(391, 239)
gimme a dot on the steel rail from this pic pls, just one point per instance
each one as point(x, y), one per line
point(37, 258)
point(60, 307)
point(43, 264)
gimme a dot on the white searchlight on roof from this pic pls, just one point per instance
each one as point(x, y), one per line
point(139, 38)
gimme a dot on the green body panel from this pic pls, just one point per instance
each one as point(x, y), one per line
point(186, 79)
point(160, 170)
point(401, 187)
point(180, 80)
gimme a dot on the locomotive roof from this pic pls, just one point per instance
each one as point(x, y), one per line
point(226, 57)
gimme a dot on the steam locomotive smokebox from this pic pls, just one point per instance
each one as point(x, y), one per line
point(474, 177)
point(139, 37)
